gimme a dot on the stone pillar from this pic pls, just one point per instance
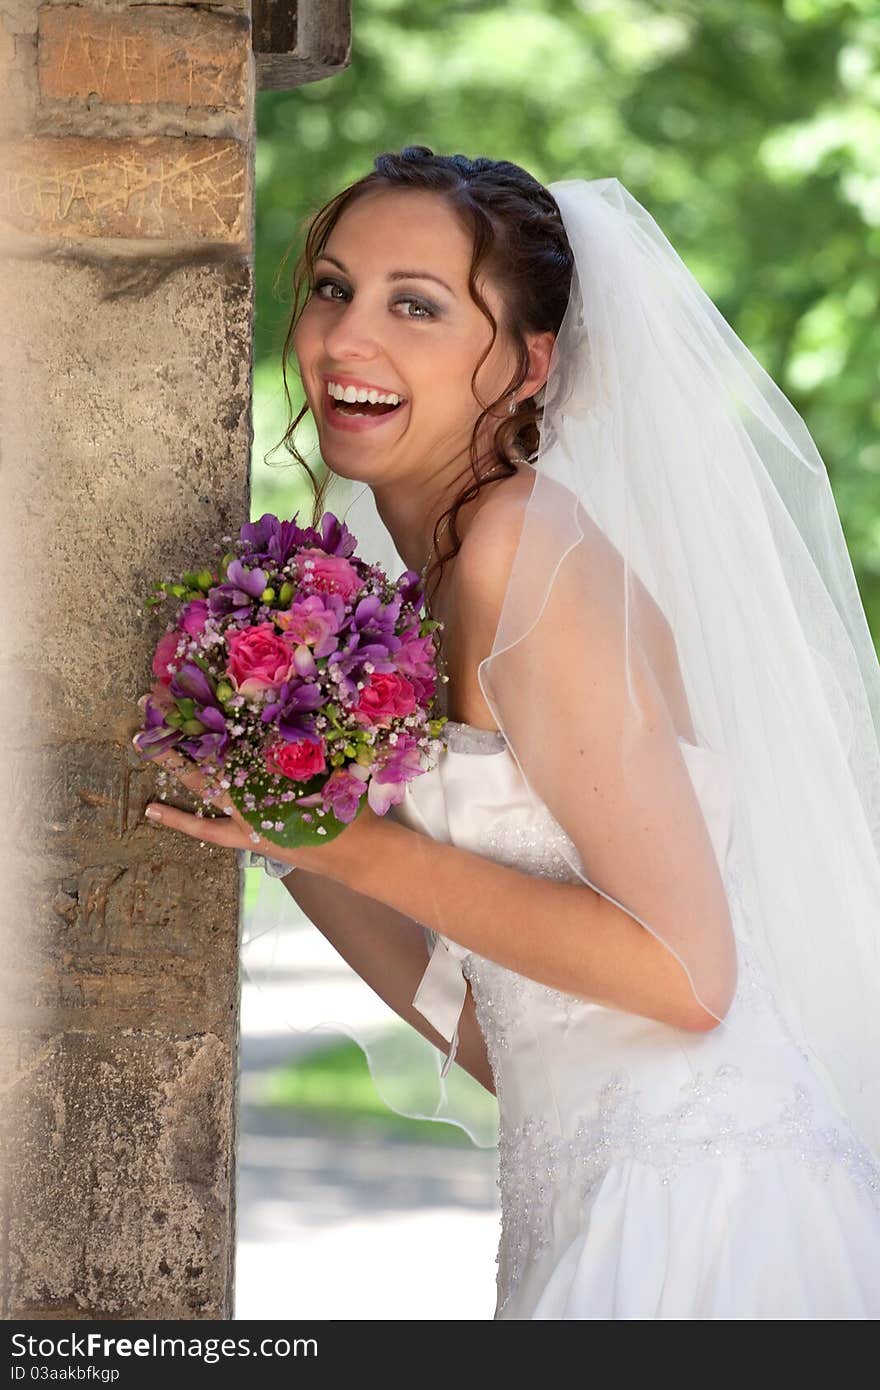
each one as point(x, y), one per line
point(126, 294)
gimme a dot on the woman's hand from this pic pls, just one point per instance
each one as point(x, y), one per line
point(338, 859)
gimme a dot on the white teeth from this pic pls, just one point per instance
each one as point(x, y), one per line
point(353, 393)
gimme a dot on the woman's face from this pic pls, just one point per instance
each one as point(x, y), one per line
point(367, 323)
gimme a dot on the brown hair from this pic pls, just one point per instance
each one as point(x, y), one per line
point(517, 233)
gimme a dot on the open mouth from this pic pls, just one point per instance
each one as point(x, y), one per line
point(363, 407)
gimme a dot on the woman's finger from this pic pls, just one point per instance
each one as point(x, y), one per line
point(232, 832)
point(230, 829)
point(195, 780)
point(183, 769)
point(214, 830)
point(226, 832)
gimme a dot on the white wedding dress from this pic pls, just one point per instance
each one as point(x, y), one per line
point(633, 1183)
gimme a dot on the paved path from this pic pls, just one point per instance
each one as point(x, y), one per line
point(348, 1226)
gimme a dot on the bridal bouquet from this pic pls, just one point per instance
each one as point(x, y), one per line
point(298, 677)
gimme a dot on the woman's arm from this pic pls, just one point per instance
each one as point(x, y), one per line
point(653, 853)
point(565, 935)
point(388, 951)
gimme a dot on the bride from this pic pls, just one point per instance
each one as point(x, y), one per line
point(636, 898)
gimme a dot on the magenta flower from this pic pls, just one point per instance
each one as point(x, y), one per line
point(399, 765)
point(343, 790)
point(415, 660)
point(313, 622)
point(193, 617)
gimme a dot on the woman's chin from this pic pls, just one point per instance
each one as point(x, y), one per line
point(361, 466)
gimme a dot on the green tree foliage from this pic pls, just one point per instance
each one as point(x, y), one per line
point(749, 128)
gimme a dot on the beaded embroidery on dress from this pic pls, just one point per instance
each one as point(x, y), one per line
point(632, 1183)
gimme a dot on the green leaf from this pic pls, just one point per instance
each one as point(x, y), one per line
point(296, 832)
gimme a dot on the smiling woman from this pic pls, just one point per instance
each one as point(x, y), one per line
point(466, 363)
point(354, 399)
point(639, 888)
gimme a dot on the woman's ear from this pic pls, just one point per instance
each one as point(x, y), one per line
point(540, 347)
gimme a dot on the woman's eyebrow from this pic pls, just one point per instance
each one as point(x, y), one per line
point(393, 274)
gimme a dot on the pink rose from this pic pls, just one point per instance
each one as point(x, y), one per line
point(387, 696)
point(331, 574)
point(166, 650)
point(259, 660)
point(299, 761)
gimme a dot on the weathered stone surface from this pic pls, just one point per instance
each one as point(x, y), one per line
point(153, 908)
point(142, 55)
point(297, 44)
point(140, 431)
point(125, 427)
point(126, 211)
point(122, 1151)
point(155, 187)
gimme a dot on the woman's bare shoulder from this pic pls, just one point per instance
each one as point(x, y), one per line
point(490, 542)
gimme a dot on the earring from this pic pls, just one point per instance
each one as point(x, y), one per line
point(512, 404)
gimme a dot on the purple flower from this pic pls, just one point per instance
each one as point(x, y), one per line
point(272, 540)
point(237, 596)
point(375, 621)
point(275, 540)
point(411, 589)
point(156, 737)
point(191, 683)
point(335, 537)
point(213, 743)
point(292, 711)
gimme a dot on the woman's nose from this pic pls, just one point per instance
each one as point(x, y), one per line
point(353, 330)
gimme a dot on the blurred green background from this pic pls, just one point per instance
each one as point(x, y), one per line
point(750, 129)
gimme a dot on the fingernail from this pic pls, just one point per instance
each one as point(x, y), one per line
point(152, 813)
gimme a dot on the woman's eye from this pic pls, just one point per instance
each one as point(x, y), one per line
point(426, 310)
point(323, 283)
point(419, 305)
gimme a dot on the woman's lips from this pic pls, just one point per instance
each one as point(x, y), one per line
point(355, 423)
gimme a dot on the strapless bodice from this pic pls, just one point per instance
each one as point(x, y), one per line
point(552, 1052)
point(477, 798)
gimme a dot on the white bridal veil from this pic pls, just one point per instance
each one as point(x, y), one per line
point(681, 580)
